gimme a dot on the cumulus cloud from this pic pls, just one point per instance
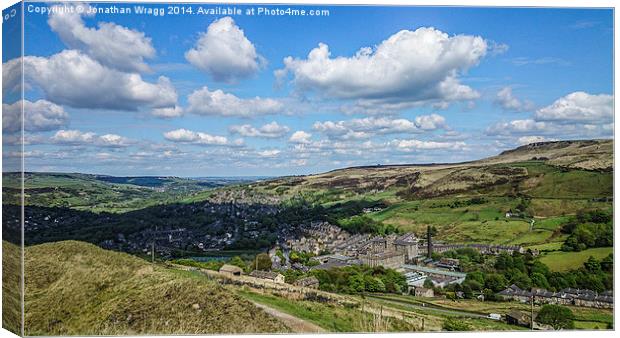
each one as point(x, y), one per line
point(412, 144)
point(167, 112)
point(576, 115)
point(217, 102)
point(430, 122)
point(192, 137)
point(88, 84)
point(300, 136)
point(579, 107)
point(369, 126)
point(410, 66)
point(269, 130)
point(80, 138)
point(40, 115)
point(506, 99)
point(224, 52)
point(11, 76)
point(110, 44)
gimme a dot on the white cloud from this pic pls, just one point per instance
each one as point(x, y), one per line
point(224, 52)
point(270, 130)
point(369, 126)
point(431, 122)
point(412, 144)
point(112, 45)
point(410, 66)
point(517, 127)
point(188, 136)
point(579, 107)
point(299, 162)
point(269, 153)
point(496, 48)
point(73, 137)
point(523, 140)
point(112, 140)
point(300, 136)
point(167, 112)
point(576, 115)
point(11, 76)
point(88, 84)
point(40, 115)
point(506, 99)
point(205, 102)
point(79, 138)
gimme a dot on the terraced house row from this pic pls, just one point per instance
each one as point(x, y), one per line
point(568, 296)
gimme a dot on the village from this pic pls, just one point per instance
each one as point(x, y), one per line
point(331, 247)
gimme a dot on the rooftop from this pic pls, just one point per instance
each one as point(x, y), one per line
point(428, 270)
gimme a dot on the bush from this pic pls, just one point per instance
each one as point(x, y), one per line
point(451, 324)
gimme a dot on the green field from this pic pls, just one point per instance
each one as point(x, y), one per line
point(564, 261)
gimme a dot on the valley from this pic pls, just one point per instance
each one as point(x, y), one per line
point(539, 216)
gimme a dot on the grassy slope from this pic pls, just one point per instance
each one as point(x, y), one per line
point(563, 261)
point(553, 194)
point(330, 317)
point(11, 287)
point(74, 288)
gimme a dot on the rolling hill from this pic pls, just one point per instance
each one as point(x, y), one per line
point(431, 180)
point(467, 202)
point(105, 193)
point(110, 293)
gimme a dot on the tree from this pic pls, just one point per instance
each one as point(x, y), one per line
point(262, 262)
point(374, 284)
point(607, 264)
point(539, 280)
point(467, 291)
point(495, 282)
point(559, 317)
point(428, 283)
point(356, 283)
point(592, 265)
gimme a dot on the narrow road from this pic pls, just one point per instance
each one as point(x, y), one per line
point(298, 325)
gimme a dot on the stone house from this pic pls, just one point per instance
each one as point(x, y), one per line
point(268, 275)
point(423, 292)
point(231, 270)
point(308, 282)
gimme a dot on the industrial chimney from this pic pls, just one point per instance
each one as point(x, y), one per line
point(429, 242)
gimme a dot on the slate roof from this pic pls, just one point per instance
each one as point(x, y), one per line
point(307, 281)
point(406, 239)
point(231, 269)
point(264, 274)
point(568, 293)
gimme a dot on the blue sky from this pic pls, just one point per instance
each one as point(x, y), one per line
point(203, 95)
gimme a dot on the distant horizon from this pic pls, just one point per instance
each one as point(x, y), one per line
point(309, 174)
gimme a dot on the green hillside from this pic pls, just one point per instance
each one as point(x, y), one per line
point(74, 288)
point(539, 186)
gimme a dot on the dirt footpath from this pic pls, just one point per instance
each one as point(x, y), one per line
point(296, 324)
